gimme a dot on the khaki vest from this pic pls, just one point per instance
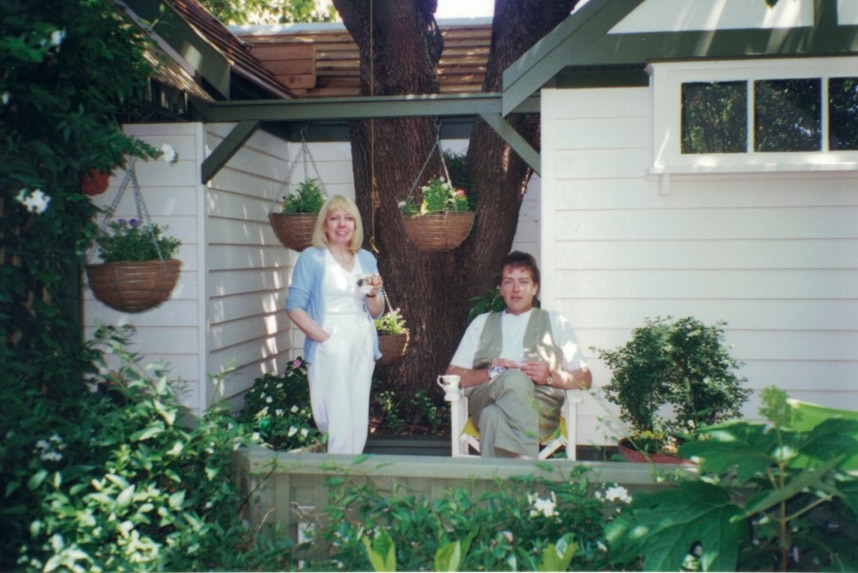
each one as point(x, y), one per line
point(538, 341)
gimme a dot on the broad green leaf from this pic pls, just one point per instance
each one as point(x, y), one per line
point(449, 557)
point(177, 499)
point(147, 433)
point(36, 480)
point(808, 478)
point(124, 498)
point(381, 551)
point(665, 525)
point(557, 557)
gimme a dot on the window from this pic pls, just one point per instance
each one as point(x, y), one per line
point(843, 113)
point(714, 117)
point(752, 115)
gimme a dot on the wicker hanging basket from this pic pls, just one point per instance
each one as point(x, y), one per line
point(439, 232)
point(295, 231)
point(392, 347)
point(133, 286)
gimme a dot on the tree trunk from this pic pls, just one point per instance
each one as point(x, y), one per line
point(399, 55)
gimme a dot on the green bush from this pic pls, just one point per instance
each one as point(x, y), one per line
point(278, 408)
point(122, 478)
point(508, 528)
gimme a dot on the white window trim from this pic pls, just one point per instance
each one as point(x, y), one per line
point(666, 86)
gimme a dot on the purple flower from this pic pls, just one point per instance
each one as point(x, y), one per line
point(133, 223)
point(296, 363)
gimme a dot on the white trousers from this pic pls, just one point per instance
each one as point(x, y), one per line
point(340, 379)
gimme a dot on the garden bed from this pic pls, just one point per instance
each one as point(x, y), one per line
point(286, 485)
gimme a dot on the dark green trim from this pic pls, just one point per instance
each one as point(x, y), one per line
point(343, 109)
point(582, 42)
point(514, 139)
point(227, 148)
point(209, 64)
point(327, 119)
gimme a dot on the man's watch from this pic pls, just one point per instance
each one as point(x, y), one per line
point(549, 380)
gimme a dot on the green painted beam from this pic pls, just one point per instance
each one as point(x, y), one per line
point(182, 38)
point(227, 148)
point(518, 144)
point(344, 109)
point(560, 48)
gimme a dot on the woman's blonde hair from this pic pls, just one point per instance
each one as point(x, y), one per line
point(332, 204)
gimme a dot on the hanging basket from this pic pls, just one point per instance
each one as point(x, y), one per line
point(133, 286)
point(295, 231)
point(94, 182)
point(392, 347)
point(439, 232)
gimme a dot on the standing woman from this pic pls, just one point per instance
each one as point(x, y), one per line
point(335, 293)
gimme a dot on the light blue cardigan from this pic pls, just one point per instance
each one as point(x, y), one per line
point(306, 291)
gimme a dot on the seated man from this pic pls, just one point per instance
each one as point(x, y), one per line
point(514, 366)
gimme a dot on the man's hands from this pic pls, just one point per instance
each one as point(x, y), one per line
point(537, 371)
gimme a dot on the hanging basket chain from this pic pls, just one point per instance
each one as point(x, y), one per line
point(139, 204)
point(435, 147)
point(302, 155)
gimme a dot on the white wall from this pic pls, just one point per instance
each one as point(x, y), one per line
point(226, 314)
point(772, 254)
point(171, 334)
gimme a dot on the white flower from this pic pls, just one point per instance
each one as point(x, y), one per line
point(168, 153)
point(4, 98)
point(304, 432)
point(57, 37)
point(544, 506)
point(269, 400)
point(35, 201)
point(292, 431)
point(618, 493)
point(294, 409)
point(263, 411)
point(278, 412)
point(401, 204)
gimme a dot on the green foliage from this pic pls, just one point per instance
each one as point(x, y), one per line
point(278, 407)
point(269, 11)
point(681, 362)
point(391, 322)
point(123, 478)
point(768, 497)
point(409, 414)
point(525, 523)
point(437, 196)
point(71, 68)
point(133, 241)
point(308, 199)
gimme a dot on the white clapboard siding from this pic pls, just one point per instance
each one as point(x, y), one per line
point(170, 335)
point(774, 255)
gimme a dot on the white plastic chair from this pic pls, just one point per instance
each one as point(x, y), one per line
point(464, 435)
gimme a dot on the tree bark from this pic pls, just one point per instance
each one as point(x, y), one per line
point(400, 46)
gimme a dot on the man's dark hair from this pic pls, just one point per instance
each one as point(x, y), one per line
point(517, 259)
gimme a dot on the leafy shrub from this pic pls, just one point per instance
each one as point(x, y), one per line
point(509, 527)
point(278, 407)
point(123, 478)
point(769, 497)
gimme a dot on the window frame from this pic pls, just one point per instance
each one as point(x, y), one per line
point(666, 79)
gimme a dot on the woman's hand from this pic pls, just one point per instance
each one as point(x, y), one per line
point(376, 282)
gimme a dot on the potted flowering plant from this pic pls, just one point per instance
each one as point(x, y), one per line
point(683, 364)
point(443, 218)
point(137, 271)
point(392, 336)
point(296, 214)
